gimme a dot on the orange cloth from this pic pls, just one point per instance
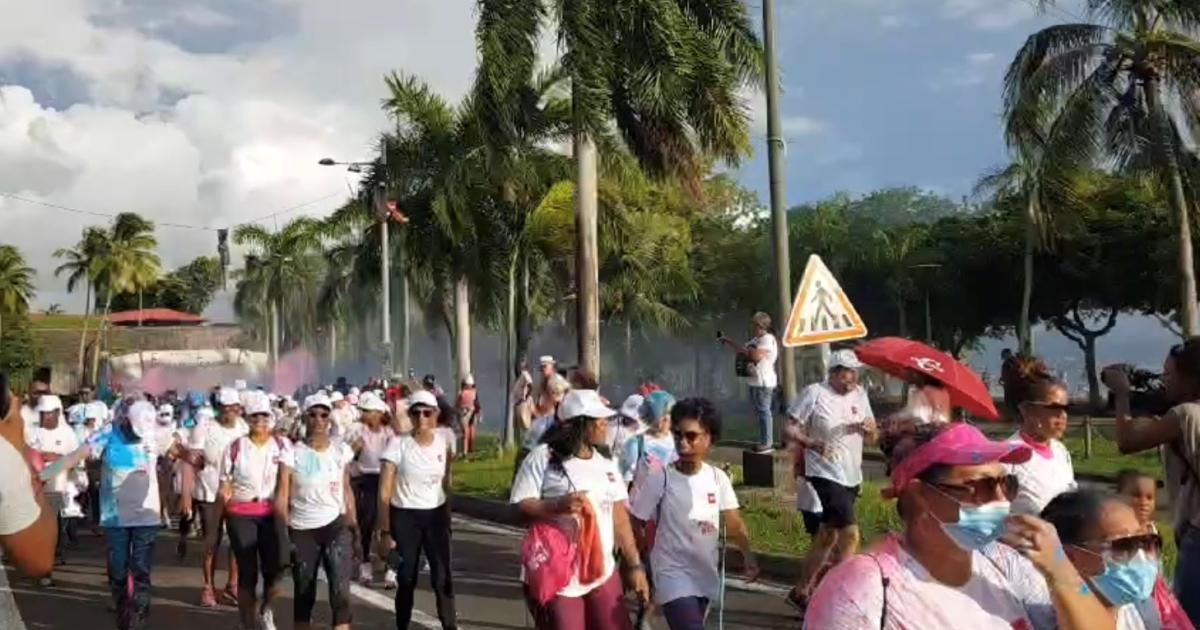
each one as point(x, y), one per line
point(591, 552)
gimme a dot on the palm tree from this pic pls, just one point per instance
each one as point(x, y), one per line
point(81, 267)
point(54, 309)
point(667, 73)
point(128, 263)
point(1122, 91)
point(281, 280)
point(16, 283)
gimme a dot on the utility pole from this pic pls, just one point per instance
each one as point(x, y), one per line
point(385, 277)
point(779, 226)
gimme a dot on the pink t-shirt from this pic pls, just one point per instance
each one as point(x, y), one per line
point(851, 596)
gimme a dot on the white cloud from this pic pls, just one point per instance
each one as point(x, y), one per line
point(211, 138)
point(977, 68)
point(988, 15)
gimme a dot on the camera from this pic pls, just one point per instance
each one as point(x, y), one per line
point(1147, 396)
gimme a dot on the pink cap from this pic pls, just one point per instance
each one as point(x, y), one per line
point(959, 445)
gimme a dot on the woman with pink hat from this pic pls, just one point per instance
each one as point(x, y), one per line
point(953, 496)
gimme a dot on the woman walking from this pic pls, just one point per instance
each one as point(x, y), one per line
point(1041, 401)
point(369, 440)
point(315, 499)
point(249, 476)
point(414, 515)
point(569, 485)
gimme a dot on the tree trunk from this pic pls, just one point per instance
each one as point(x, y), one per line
point(462, 329)
point(628, 346)
point(101, 330)
point(903, 313)
point(1095, 402)
point(524, 325)
point(333, 349)
point(510, 364)
point(274, 332)
point(87, 315)
point(1024, 331)
point(587, 269)
point(139, 307)
point(1173, 181)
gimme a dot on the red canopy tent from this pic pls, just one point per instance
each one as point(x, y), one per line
point(155, 317)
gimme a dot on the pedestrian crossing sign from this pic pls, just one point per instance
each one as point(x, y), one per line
point(821, 313)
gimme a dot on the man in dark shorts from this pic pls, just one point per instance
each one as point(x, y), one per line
point(830, 421)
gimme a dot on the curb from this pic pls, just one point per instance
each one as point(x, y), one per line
point(774, 567)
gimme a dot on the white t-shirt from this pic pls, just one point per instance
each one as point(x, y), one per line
point(807, 499)
point(128, 479)
point(1042, 478)
point(762, 373)
point(317, 492)
point(688, 511)
point(256, 471)
point(212, 438)
point(850, 597)
point(597, 476)
point(1128, 618)
point(450, 437)
point(419, 471)
point(374, 444)
point(60, 440)
point(533, 436)
point(824, 414)
point(18, 507)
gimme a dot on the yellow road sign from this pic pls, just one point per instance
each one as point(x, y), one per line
point(821, 313)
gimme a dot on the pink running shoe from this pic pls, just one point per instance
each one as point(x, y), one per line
point(207, 600)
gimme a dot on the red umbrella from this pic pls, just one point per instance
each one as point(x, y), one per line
point(901, 357)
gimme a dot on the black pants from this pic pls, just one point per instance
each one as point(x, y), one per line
point(366, 504)
point(255, 543)
point(329, 547)
point(428, 532)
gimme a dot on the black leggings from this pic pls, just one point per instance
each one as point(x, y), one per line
point(329, 547)
point(255, 543)
point(428, 531)
point(366, 503)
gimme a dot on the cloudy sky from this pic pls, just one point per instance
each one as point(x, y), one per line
point(213, 112)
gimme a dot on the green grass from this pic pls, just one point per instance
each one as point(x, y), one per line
point(60, 322)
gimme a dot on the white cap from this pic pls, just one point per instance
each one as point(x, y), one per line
point(546, 359)
point(469, 381)
point(166, 411)
point(844, 359)
point(632, 407)
point(336, 397)
point(370, 402)
point(318, 399)
point(354, 391)
point(422, 397)
point(142, 418)
point(239, 384)
point(228, 396)
point(352, 399)
point(257, 404)
point(290, 403)
point(584, 402)
point(48, 403)
point(96, 410)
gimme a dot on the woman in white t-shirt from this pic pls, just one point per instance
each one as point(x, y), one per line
point(249, 476)
point(570, 483)
point(414, 516)
point(689, 502)
point(369, 438)
point(1042, 403)
point(315, 498)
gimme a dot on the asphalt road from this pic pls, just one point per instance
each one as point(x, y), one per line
point(485, 580)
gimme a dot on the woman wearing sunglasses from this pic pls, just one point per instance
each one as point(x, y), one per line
point(953, 498)
point(414, 516)
point(315, 498)
point(1114, 553)
point(1041, 401)
point(689, 502)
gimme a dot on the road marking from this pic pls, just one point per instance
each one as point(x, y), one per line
point(381, 601)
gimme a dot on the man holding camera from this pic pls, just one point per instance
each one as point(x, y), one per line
point(756, 362)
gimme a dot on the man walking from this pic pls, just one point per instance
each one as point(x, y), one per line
point(830, 421)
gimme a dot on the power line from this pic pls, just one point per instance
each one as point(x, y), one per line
point(109, 215)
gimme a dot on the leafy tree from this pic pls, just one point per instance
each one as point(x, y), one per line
point(277, 289)
point(17, 349)
point(126, 263)
point(189, 289)
point(1122, 91)
point(16, 284)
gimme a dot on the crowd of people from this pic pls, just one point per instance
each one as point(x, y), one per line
point(619, 501)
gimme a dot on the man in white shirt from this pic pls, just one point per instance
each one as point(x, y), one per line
point(830, 421)
point(761, 353)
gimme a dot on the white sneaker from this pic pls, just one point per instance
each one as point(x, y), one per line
point(266, 620)
point(389, 580)
point(366, 575)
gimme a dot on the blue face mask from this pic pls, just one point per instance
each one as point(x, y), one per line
point(1129, 582)
point(978, 525)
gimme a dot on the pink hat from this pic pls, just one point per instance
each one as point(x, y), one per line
point(959, 445)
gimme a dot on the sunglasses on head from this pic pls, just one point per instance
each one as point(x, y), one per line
point(982, 490)
point(421, 412)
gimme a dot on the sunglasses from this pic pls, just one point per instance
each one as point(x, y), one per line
point(688, 436)
point(982, 490)
point(421, 412)
point(1059, 407)
point(1122, 549)
point(319, 415)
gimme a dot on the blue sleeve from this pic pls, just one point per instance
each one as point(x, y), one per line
point(629, 460)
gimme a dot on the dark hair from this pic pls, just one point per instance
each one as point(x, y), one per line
point(1034, 380)
point(564, 439)
point(1128, 476)
point(1187, 357)
point(1075, 514)
point(701, 410)
point(900, 439)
